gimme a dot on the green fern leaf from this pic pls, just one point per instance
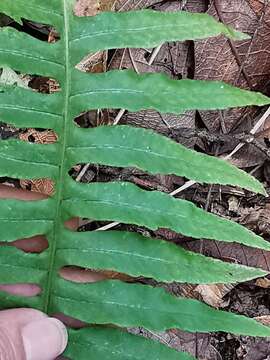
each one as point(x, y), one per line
point(122, 30)
point(44, 60)
point(111, 344)
point(153, 308)
point(125, 146)
point(23, 108)
point(127, 203)
point(128, 90)
point(113, 248)
point(51, 12)
point(114, 302)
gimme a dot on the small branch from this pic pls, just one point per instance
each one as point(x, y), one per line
point(154, 55)
point(119, 116)
point(82, 172)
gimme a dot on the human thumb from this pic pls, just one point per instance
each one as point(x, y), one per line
point(28, 334)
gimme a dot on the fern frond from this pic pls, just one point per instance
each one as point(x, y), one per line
point(114, 302)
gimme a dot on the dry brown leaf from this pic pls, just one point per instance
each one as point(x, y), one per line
point(263, 283)
point(126, 5)
point(92, 7)
point(257, 219)
point(247, 157)
point(215, 59)
point(214, 294)
point(43, 186)
point(151, 119)
point(195, 344)
point(39, 137)
point(234, 253)
point(255, 349)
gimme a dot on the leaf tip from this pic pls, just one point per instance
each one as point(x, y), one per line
point(236, 35)
point(260, 189)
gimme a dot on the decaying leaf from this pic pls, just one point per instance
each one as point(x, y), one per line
point(214, 294)
point(93, 7)
point(246, 63)
point(263, 282)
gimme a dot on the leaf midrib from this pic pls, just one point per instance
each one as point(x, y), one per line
point(26, 161)
point(130, 205)
point(125, 253)
point(133, 306)
point(132, 30)
point(126, 148)
point(63, 144)
point(26, 109)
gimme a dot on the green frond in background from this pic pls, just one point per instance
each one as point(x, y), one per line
point(113, 301)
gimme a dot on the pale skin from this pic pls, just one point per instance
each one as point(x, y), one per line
point(28, 334)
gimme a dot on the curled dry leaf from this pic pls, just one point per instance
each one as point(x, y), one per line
point(263, 282)
point(214, 294)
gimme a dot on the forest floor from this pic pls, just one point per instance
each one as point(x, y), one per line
point(245, 64)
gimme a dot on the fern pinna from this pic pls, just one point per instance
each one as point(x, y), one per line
point(113, 301)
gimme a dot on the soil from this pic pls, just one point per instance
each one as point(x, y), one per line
point(244, 64)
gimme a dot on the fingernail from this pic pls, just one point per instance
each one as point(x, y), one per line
point(44, 339)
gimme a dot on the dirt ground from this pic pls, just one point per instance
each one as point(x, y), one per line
point(245, 64)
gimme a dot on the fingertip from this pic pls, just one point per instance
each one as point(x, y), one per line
point(44, 339)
